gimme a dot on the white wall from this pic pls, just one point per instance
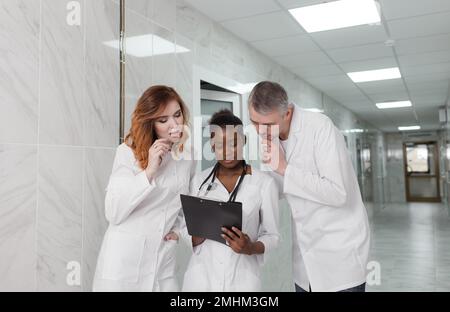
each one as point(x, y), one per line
point(58, 133)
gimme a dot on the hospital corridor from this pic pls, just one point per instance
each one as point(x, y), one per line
point(200, 146)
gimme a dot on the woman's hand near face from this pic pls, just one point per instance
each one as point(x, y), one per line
point(155, 155)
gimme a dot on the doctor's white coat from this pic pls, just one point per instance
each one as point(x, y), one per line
point(329, 221)
point(215, 266)
point(134, 255)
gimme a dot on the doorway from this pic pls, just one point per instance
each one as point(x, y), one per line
point(213, 99)
point(421, 171)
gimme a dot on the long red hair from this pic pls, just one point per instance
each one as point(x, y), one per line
point(142, 133)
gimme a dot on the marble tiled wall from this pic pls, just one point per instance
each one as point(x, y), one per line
point(59, 94)
point(58, 132)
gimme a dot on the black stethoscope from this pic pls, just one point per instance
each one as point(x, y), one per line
point(212, 183)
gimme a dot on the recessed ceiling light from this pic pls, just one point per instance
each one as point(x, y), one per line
point(374, 75)
point(314, 110)
point(394, 104)
point(354, 131)
point(147, 45)
point(336, 14)
point(409, 128)
point(241, 88)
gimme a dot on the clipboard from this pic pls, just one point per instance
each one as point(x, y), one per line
point(205, 217)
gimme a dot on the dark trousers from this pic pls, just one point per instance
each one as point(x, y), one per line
point(360, 288)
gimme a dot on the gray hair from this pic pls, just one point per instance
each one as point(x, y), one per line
point(267, 96)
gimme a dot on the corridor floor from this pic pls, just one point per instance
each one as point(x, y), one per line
point(411, 242)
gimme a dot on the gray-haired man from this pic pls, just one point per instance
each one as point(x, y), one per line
point(315, 174)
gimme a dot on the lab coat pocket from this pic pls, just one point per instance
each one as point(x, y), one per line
point(168, 259)
point(196, 277)
point(254, 282)
point(248, 281)
point(196, 250)
point(170, 250)
point(122, 256)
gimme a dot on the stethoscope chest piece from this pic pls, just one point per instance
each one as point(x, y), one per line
point(212, 186)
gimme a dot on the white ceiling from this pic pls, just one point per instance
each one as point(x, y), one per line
point(420, 28)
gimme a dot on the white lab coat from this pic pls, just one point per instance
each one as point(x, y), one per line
point(215, 266)
point(134, 255)
point(329, 221)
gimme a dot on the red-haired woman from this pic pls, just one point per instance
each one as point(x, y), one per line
point(142, 202)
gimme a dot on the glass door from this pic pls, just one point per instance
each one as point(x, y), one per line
point(421, 172)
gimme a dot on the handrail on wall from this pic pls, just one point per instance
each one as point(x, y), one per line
point(122, 73)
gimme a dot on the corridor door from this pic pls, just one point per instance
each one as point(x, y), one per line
point(421, 172)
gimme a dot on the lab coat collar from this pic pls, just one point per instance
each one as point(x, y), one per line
point(296, 125)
